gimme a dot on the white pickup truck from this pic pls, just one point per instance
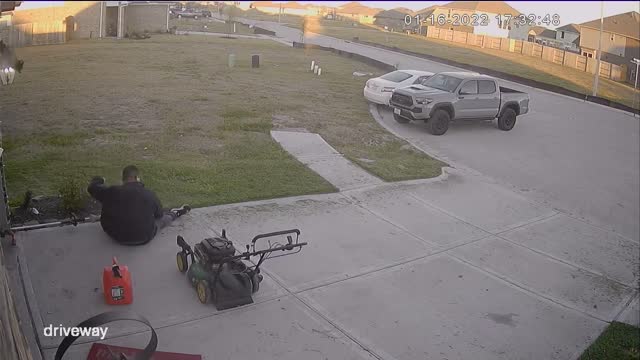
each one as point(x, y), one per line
point(450, 96)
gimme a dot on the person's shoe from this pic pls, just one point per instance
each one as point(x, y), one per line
point(181, 210)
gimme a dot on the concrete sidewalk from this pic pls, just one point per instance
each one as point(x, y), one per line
point(319, 156)
point(453, 268)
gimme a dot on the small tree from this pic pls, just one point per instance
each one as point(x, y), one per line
point(232, 14)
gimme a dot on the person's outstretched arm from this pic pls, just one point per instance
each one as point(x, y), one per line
point(97, 188)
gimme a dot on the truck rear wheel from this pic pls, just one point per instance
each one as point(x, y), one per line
point(507, 120)
point(400, 119)
point(438, 124)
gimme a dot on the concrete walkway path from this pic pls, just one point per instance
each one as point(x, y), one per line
point(313, 151)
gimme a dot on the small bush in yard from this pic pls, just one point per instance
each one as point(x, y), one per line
point(73, 195)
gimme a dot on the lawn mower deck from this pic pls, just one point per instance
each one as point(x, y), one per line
point(219, 273)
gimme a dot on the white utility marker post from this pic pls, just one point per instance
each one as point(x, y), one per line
point(315, 69)
point(597, 72)
point(319, 71)
point(313, 63)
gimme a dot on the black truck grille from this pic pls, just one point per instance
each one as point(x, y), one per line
point(402, 99)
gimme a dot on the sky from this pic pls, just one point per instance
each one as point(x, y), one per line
point(569, 11)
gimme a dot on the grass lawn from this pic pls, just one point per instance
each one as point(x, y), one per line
point(618, 342)
point(211, 26)
point(258, 15)
point(198, 130)
point(507, 62)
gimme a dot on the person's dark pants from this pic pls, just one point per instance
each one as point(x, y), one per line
point(161, 223)
point(165, 220)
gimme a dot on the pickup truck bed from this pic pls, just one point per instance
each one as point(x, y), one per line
point(509, 90)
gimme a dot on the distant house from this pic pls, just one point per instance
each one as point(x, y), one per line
point(490, 17)
point(95, 19)
point(541, 35)
point(357, 12)
point(289, 8)
point(395, 19)
point(620, 40)
point(569, 36)
point(564, 37)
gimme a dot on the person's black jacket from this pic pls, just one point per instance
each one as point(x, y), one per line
point(128, 211)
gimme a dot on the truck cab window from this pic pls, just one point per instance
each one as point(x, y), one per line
point(469, 88)
point(486, 87)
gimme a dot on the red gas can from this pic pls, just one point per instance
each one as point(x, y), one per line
point(116, 284)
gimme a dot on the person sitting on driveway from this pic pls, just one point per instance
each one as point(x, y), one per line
point(131, 214)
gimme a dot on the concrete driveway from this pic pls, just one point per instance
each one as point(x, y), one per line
point(452, 268)
point(456, 267)
point(578, 157)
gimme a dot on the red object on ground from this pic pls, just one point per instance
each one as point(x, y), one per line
point(106, 352)
point(116, 284)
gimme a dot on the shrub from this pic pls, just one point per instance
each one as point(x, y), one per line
point(73, 195)
point(137, 36)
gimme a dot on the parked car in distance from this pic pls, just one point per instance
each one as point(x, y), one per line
point(450, 96)
point(206, 13)
point(378, 90)
point(188, 14)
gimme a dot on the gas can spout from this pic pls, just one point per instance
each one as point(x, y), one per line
point(115, 268)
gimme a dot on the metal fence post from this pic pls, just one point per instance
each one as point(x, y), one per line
point(5, 226)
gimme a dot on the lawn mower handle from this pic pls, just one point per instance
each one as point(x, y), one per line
point(186, 248)
point(276, 233)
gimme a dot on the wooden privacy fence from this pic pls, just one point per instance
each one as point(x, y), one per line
point(44, 33)
point(546, 53)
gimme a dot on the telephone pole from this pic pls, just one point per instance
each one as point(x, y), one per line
point(597, 72)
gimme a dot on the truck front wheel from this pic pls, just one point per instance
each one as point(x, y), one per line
point(400, 119)
point(438, 124)
point(507, 119)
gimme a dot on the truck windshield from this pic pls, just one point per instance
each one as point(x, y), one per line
point(443, 82)
point(396, 76)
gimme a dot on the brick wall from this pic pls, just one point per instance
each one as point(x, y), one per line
point(151, 18)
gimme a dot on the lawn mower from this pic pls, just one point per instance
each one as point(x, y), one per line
point(222, 277)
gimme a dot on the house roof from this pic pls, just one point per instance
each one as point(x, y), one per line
point(294, 5)
point(574, 28)
point(391, 14)
point(355, 7)
point(493, 7)
point(427, 10)
point(627, 24)
point(403, 10)
point(543, 32)
point(287, 5)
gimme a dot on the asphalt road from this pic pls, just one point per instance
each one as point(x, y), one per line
point(577, 157)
